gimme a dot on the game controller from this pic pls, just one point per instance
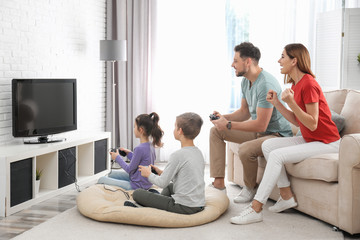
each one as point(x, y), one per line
point(154, 171)
point(213, 117)
point(122, 153)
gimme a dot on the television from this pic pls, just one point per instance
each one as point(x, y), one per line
point(42, 107)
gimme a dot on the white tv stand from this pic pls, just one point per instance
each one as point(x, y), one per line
point(83, 154)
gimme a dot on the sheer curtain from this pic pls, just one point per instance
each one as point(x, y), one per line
point(130, 20)
point(191, 68)
point(179, 61)
point(289, 21)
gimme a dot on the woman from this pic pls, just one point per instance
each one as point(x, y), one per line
point(310, 112)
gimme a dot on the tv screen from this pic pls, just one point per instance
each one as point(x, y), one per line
point(42, 107)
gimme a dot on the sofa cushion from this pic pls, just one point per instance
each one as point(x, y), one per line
point(262, 162)
point(351, 112)
point(338, 120)
point(336, 99)
point(320, 167)
point(234, 147)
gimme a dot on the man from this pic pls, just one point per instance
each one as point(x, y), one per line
point(251, 125)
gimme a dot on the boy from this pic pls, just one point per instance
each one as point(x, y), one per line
point(183, 177)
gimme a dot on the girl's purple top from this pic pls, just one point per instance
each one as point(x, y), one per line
point(144, 154)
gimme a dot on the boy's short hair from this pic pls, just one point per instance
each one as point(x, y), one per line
point(190, 123)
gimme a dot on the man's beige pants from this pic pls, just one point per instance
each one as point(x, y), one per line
point(249, 151)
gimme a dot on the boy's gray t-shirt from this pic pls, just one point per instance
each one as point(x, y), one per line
point(255, 97)
point(186, 170)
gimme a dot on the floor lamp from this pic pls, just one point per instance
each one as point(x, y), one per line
point(113, 50)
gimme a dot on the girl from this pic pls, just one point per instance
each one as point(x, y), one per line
point(309, 111)
point(129, 178)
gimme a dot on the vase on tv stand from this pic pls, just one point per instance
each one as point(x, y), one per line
point(37, 182)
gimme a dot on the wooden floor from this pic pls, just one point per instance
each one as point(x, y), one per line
point(26, 219)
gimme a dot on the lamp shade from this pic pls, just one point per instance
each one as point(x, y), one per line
point(113, 50)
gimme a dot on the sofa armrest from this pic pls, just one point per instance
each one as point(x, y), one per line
point(349, 183)
point(229, 163)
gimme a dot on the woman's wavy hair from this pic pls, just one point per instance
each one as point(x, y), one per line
point(300, 52)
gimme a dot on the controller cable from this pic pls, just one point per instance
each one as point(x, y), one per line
point(108, 189)
point(111, 167)
point(127, 195)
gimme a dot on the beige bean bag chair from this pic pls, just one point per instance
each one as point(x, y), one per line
point(106, 203)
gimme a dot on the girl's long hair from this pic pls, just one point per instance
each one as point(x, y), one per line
point(150, 124)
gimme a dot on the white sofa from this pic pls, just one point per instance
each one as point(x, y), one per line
point(326, 186)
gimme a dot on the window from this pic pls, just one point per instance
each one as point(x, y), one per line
point(190, 70)
point(237, 31)
point(193, 53)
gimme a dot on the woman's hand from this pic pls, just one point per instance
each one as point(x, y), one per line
point(288, 96)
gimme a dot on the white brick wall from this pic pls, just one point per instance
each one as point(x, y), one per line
point(54, 39)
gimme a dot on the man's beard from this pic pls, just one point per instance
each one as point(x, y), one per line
point(240, 74)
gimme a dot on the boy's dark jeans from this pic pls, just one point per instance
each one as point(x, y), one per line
point(163, 201)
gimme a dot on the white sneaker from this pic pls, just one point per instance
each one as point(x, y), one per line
point(248, 215)
point(220, 189)
point(246, 195)
point(282, 205)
